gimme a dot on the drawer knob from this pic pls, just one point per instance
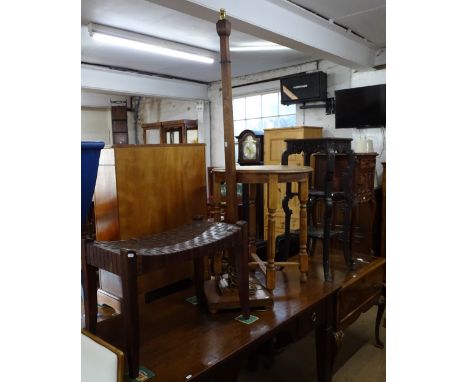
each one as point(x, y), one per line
point(313, 316)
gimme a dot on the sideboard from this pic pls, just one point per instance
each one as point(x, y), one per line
point(365, 204)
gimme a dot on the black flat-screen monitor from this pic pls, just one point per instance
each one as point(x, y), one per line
point(360, 108)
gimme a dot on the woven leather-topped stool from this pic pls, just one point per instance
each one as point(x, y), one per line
point(134, 257)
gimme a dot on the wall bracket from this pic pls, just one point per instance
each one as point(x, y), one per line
point(329, 106)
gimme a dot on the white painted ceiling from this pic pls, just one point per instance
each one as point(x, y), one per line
point(366, 17)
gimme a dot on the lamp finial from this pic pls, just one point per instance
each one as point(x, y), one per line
point(222, 14)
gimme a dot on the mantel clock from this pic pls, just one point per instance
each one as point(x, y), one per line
point(250, 148)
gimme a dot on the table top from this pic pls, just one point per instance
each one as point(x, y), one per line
point(178, 339)
point(268, 169)
point(321, 139)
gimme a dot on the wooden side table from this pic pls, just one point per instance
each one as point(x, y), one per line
point(271, 176)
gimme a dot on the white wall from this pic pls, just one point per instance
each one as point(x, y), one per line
point(96, 125)
point(210, 118)
point(167, 109)
point(338, 77)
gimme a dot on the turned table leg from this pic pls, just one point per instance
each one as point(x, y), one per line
point(303, 258)
point(252, 218)
point(217, 199)
point(271, 249)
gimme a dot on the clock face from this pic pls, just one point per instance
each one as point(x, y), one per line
point(249, 148)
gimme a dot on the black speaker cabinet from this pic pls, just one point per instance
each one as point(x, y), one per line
point(304, 88)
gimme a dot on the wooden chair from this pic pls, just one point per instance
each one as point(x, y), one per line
point(131, 258)
point(343, 198)
point(100, 361)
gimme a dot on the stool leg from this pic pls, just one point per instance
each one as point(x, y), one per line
point(328, 213)
point(346, 236)
point(242, 268)
point(199, 276)
point(89, 284)
point(326, 239)
point(130, 313)
point(303, 258)
point(313, 246)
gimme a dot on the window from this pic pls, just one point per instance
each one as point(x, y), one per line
point(262, 111)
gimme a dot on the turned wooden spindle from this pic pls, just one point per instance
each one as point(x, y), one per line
point(271, 249)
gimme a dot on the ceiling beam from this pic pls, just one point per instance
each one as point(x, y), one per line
point(107, 80)
point(286, 24)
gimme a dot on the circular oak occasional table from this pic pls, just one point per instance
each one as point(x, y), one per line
point(271, 175)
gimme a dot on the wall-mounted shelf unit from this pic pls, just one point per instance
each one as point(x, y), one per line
point(119, 122)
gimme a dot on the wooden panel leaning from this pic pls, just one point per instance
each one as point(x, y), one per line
point(143, 190)
point(131, 258)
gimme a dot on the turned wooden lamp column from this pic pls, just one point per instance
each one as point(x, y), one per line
point(223, 27)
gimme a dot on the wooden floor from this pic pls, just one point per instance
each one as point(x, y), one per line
point(180, 340)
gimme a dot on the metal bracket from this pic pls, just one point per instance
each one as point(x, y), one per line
point(329, 106)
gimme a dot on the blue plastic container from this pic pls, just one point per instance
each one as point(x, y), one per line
point(90, 152)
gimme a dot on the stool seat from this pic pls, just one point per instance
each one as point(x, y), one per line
point(181, 240)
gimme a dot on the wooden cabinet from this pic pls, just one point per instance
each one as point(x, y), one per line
point(180, 131)
point(274, 147)
point(363, 188)
point(119, 124)
point(147, 189)
point(151, 133)
point(171, 132)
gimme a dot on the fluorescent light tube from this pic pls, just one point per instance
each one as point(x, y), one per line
point(149, 44)
point(258, 48)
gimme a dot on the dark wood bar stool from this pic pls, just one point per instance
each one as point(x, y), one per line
point(330, 147)
point(132, 258)
point(332, 195)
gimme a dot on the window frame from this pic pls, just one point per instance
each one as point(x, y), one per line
point(275, 116)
